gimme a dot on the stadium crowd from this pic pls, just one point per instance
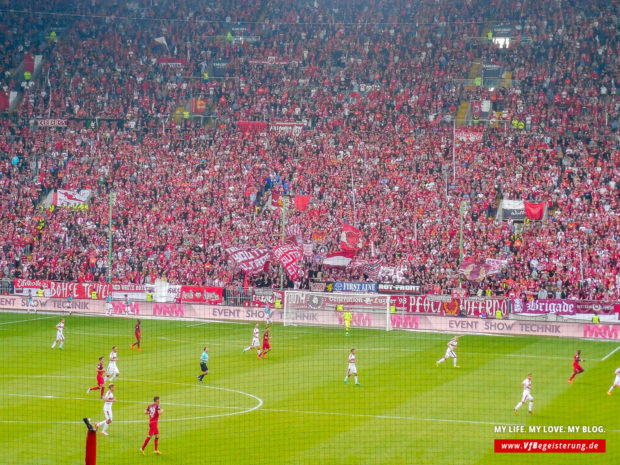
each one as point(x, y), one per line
point(376, 86)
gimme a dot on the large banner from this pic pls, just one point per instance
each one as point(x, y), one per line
point(61, 290)
point(69, 198)
point(514, 209)
point(468, 135)
point(389, 288)
point(340, 286)
point(563, 307)
point(289, 256)
point(172, 62)
point(262, 297)
point(477, 271)
point(288, 129)
point(130, 291)
point(534, 211)
point(328, 318)
point(252, 126)
point(447, 305)
point(52, 122)
point(202, 294)
point(251, 260)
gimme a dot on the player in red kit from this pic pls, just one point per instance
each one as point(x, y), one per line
point(576, 367)
point(266, 345)
point(153, 411)
point(100, 380)
point(138, 337)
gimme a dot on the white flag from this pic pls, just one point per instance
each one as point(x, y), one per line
point(161, 40)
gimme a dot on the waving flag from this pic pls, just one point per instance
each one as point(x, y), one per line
point(293, 234)
point(289, 256)
point(339, 259)
point(534, 211)
point(351, 238)
point(251, 260)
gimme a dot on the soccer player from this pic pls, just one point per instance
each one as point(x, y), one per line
point(255, 340)
point(31, 305)
point(266, 344)
point(268, 314)
point(450, 352)
point(576, 367)
point(112, 371)
point(153, 411)
point(100, 381)
point(352, 370)
point(127, 306)
point(347, 321)
point(60, 334)
point(108, 306)
point(69, 304)
point(108, 400)
point(526, 396)
point(204, 358)
point(616, 382)
point(138, 337)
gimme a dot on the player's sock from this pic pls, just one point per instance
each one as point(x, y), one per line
point(346, 378)
point(355, 379)
point(146, 441)
point(105, 426)
point(518, 406)
point(102, 388)
point(441, 360)
point(246, 349)
point(454, 361)
point(258, 351)
point(572, 376)
point(54, 345)
point(531, 406)
point(61, 344)
point(156, 441)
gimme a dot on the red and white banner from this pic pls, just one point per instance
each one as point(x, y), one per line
point(270, 60)
point(288, 129)
point(477, 271)
point(251, 260)
point(67, 198)
point(371, 268)
point(202, 294)
point(61, 290)
point(261, 297)
point(534, 211)
point(351, 238)
point(52, 122)
point(564, 307)
point(289, 256)
point(293, 234)
point(172, 62)
point(447, 305)
point(476, 108)
point(467, 135)
point(338, 259)
point(132, 291)
point(252, 126)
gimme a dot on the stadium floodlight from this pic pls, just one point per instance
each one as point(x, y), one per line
point(112, 201)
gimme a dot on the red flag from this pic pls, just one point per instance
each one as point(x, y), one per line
point(289, 255)
point(351, 238)
point(251, 260)
point(301, 202)
point(534, 211)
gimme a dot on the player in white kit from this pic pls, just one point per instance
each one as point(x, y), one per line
point(526, 396)
point(352, 369)
point(60, 335)
point(108, 306)
point(255, 340)
point(31, 304)
point(108, 400)
point(112, 371)
point(450, 352)
point(616, 382)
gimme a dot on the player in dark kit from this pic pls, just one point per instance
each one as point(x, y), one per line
point(153, 411)
point(138, 337)
point(266, 344)
point(576, 367)
point(100, 380)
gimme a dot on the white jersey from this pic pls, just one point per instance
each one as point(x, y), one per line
point(60, 327)
point(256, 338)
point(108, 400)
point(112, 368)
point(527, 386)
point(450, 350)
point(352, 367)
point(617, 380)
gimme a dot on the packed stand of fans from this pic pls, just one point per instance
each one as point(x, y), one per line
point(376, 86)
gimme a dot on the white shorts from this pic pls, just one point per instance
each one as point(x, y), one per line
point(255, 342)
point(107, 411)
point(112, 370)
point(60, 336)
point(526, 397)
point(617, 381)
point(449, 353)
point(108, 308)
point(352, 368)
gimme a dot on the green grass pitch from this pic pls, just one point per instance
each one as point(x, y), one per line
point(293, 407)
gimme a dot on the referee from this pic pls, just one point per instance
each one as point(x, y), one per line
point(204, 358)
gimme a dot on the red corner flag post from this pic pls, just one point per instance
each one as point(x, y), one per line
point(91, 443)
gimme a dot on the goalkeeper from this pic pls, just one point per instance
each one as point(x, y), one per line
point(347, 321)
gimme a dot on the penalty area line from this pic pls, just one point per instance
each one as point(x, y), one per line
point(610, 354)
point(29, 319)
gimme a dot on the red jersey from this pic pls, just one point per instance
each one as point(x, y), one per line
point(153, 411)
point(266, 340)
point(100, 373)
point(576, 360)
point(137, 328)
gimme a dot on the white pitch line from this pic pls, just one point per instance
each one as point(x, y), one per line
point(93, 399)
point(610, 354)
point(29, 319)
